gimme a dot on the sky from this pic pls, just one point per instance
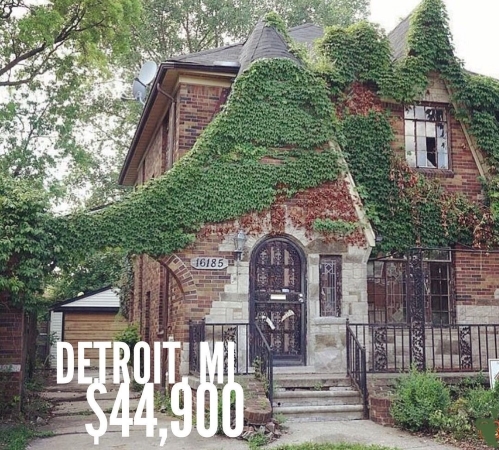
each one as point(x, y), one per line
point(473, 24)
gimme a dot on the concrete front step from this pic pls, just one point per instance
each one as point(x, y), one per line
point(317, 398)
point(310, 381)
point(320, 413)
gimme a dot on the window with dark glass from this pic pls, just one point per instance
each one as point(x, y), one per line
point(330, 286)
point(438, 285)
point(426, 137)
point(389, 290)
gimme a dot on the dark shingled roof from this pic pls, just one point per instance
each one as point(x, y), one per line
point(229, 53)
point(264, 42)
point(398, 38)
point(306, 33)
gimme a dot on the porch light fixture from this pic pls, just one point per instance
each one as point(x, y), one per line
point(239, 241)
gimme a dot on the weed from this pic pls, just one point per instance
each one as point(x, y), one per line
point(162, 402)
point(341, 446)
point(16, 437)
point(280, 418)
point(318, 386)
point(258, 440)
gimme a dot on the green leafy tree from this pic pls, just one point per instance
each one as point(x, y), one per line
point(97, 270)
point(173, 27)
point(51, 56)
point(28, 241)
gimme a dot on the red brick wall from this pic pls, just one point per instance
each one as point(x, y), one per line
point(196, 106)
point(12, 324)
point(379, 410)
point(477, 277)
point(194, 109)
point(153, 162)
point(200, 287)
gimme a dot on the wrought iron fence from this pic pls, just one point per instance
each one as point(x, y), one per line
point(441, 348)
point(253, 353)
point(357, 366)
point(196, 336)
point(263, 362)
point(225, 333)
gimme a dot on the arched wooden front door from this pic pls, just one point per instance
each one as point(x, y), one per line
point(277, 298)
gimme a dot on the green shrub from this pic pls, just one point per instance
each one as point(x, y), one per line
point(475, 402)
point(130, 336)
point(460, 389)
point(455, 421)
point(418, 398)
point(480, 402)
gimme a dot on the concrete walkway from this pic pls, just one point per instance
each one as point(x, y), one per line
point(72, 413)
point(71, 434)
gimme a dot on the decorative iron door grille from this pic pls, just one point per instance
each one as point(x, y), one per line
point(276, 299)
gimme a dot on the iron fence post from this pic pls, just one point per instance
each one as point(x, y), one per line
point(417, 309)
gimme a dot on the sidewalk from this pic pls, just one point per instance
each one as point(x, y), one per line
point(70, 433)
point(72, 412)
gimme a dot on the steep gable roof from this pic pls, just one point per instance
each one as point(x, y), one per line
point(264, 42)
point(398, 38)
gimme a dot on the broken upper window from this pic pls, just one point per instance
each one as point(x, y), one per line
point(426, 138)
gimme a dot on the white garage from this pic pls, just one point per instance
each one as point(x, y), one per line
point(89, 317)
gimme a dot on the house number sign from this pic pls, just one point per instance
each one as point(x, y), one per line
point(209, 263)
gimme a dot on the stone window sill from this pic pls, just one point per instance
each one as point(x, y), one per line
point(436, 173)
point(329, 320)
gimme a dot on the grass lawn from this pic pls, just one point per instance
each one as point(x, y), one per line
point(312, 446)
point(16, 437)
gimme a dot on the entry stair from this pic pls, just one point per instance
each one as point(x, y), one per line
point(309, 397)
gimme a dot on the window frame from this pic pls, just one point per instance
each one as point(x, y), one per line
point(334, 310)
point(378, 287)
point(447, 111)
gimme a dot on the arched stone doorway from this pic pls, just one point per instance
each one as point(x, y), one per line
point(277, 298)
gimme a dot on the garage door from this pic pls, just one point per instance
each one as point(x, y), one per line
point(94, 326)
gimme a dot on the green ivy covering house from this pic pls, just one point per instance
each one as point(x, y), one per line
point(337, 188)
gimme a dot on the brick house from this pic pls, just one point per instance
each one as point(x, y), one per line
point(170, 292)
point(434, 307)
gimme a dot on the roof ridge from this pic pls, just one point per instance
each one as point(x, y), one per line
point(399, 36)
point(205, 52)
point(265, 41)
point(303, 25)
point(405, 19)
point(79, 297)
point(260, 21)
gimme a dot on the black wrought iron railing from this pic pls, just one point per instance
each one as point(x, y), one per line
point(225, 333)
point(196, 336)
point(253, 354)
point(440, 348)
point(263, 360)
point(357, 365)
